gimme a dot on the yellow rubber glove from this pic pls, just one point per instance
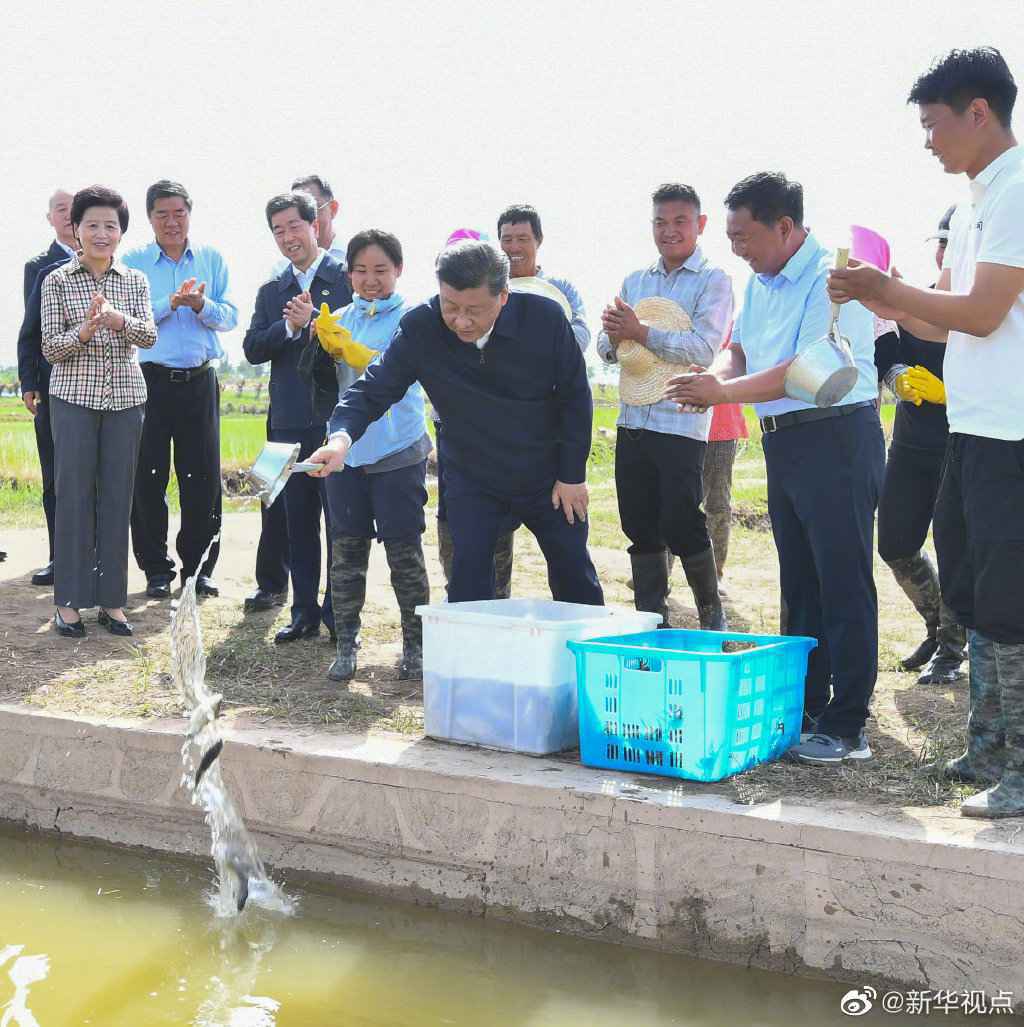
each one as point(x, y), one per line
point(337, 341)
point(926, 385)
point(905, 388)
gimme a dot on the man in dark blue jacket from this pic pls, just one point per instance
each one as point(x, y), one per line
point(303, 390)
point(507, 378)
point(33, 368)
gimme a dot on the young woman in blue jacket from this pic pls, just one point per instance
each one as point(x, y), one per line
point(381, 493)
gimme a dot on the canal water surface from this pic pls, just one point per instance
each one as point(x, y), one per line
point(115, 938)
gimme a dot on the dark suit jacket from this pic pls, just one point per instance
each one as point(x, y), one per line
point(300, 397)
point(38, 262)
point(517, 415)
point(33, 368)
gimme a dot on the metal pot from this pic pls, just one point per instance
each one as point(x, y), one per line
point(824, 372)
point(277, 462)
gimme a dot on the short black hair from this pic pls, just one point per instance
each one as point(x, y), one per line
point(522, 213)
point(163, 190)
point(769, 196)
point(323, 186)
point(374, 237)
point(965, 75)
point(303, 202)
point(98, 196)
point(670, 192)
point(472, 263)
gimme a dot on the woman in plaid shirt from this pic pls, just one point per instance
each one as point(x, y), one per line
point(95, 312)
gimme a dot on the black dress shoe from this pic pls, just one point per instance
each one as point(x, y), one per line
point(76, 630)
point(261, 600)
point(296, 630)
point(115, 627)
point(44, 576)
point(206, 587)
point(158, 588)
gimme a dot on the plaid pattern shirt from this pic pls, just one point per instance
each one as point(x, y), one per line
point(103, 373)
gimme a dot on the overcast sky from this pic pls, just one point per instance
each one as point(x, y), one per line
point(434, 115)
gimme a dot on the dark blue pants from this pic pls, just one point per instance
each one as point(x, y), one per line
point(305, 502)
point(44, 446)
point(272, 551)
point(381, 505)
point(824, 479)
point(477, 519)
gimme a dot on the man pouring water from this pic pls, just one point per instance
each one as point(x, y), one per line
point(507, 378)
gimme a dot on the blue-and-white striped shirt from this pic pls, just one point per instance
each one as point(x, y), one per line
point(704, 291)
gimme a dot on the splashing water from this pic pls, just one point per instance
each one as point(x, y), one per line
point(241, 877)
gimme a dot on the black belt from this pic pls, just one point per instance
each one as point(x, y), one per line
point(179, 375)
point(770, 423)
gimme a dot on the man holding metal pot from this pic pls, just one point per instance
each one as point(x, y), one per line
point(824, 462)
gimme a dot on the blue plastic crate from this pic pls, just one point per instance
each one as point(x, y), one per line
point(674, 703)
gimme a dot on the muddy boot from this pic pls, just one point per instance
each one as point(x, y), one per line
point(702, 576)
point(917, 576)
point(350, 556)
point(409, 580)
point(1006, 799)
point(986, 740)
point(945, 668)
point(670, 559)
point(650, 583)
point(445, 549)
point(503, 554)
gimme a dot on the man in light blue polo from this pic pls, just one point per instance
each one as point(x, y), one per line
point(824, 465)
point(192, 304)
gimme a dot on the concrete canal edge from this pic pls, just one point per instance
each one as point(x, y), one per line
point(913, 898)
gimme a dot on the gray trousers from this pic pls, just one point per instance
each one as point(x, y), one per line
point(95, 456)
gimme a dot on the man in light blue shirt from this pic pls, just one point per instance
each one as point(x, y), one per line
point(659, 450)
point(824, 465)
point(191, 304)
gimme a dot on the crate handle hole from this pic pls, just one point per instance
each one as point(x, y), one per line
point(648, 665)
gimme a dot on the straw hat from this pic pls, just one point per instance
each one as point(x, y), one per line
point(643, 376)
point(535, 286)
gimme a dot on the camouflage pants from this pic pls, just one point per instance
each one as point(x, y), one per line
point(718, 464)
point(918, 578)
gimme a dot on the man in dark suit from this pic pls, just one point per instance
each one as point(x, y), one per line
point(33, 368)
point(303, 390)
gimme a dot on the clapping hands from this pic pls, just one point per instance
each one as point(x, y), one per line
point(298, 311)
point(189, 295)
point(101, 314)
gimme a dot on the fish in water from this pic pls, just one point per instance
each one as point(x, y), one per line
point(205, 713)
point(209, 756)
point(237, 860)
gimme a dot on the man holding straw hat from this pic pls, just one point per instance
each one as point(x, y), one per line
point(667, 317)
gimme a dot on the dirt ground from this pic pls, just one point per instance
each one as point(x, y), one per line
point(912, 725)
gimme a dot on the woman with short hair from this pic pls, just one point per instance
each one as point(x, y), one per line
point(95, 312)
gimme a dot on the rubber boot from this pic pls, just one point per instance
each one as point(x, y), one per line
point(983, 762)
point(650, 583)
point(917, 576)
point(350, 556)
point(409, 580)
point(702, 576)
point(670, 559)
point(946, 665)
point(503, 554)
point(445, 550)
point(1006, 799)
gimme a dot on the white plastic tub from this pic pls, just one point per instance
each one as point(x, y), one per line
point(498, 672)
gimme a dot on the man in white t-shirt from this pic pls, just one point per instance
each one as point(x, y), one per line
point(966, 103)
